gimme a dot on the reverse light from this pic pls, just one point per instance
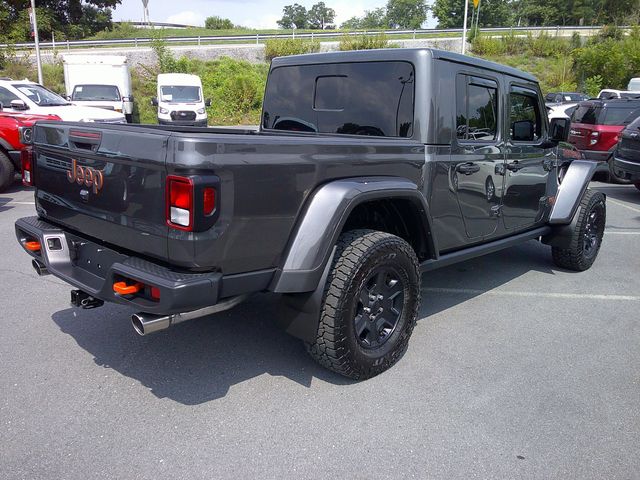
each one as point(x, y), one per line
point(26, 159)
point(595, 137)
point(180, 203)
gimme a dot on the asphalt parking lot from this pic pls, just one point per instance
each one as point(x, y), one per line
point(515, 370)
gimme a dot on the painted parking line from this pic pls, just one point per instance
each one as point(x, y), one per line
point(511, 293)
point(608, 232)
point(615, 202)
point(18, 203)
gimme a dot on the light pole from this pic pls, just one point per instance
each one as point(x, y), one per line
point(464, 26)
point(34, 22)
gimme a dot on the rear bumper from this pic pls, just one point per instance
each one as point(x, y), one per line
point(185, 123)
point(626, 169)
point(94, 268)
point(597, 156)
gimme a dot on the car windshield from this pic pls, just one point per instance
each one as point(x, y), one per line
point(40, 95)
point(180, 93)
point(96, 92)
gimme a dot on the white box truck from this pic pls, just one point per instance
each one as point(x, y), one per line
point(180, 100)
point(102, 81)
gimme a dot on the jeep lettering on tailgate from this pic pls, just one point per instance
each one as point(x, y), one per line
point(85, 176)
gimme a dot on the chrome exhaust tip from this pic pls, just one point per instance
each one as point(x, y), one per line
point(145, 323)
point(39, 267)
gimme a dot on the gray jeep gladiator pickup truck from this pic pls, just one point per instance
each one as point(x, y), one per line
point(369, 169)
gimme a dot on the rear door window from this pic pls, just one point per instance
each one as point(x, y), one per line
point(620, 116)
point(364, 98)
point(476, 109)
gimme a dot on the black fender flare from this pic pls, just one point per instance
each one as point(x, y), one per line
point(319, 227)
point(571, 191)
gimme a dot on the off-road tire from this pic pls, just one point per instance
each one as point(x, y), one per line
point(360, 257)
point(7, 172)
point(577, 257)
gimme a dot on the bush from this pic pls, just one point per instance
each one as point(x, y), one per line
point(282, 47)
point(218, 23)
point(593, 85)
point(364, 42)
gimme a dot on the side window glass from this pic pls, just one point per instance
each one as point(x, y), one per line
point(525, 122)
point(6, 97)
point(477, 110)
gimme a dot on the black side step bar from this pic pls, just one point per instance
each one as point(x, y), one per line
point(484, 249)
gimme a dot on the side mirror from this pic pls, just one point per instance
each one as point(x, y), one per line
point(522, 131)
point(154, 101)
point(19, 105)
point(129, 98)
point(68, 97)
point(559, 129)
point(207, 102)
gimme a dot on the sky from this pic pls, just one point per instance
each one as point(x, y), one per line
point(248, 13)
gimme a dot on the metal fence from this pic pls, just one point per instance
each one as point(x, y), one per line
point(258, 37)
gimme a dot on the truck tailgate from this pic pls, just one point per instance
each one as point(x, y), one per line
point(106, 183)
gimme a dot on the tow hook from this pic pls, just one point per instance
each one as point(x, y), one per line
point(84, 300)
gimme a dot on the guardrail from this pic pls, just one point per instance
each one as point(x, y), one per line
point(266, 36)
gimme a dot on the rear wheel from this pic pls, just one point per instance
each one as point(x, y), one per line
point(7, 172)
point(370, 305)
point(586, 239)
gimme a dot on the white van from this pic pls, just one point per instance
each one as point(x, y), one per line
point(102, 81)
point(23, 95)
point(634, 84)
point(180, 100)
point(609, 93)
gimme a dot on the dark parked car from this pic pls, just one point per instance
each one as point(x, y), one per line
point(558, 98)
point(369, 168)
point(595, 130)
point(626, 158)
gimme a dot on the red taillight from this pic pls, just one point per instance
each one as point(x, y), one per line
point(26, 158)
point(155, 293)
point(180, 203)
point(208, 200)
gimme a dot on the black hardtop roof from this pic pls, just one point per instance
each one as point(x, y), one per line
point(413, 55)
point(611, 102)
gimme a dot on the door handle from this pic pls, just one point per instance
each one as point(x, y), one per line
point(468, 168)
point(514, 166)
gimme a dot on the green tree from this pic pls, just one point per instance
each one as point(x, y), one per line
point(493, 13)
point(374, 18)
point(218, 23)
point(66, 18)
point(354, 23)
point(320, 15)
point(406, 13)
point(294, 15)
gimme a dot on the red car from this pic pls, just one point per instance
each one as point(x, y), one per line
point(596, 126)
point(10, 145)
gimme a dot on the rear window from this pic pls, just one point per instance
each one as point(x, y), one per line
point(366, 98)
point(597, 115)
point(96, 93)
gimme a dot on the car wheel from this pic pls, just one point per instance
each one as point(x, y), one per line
point(370, 305)
point(586, 238)
point(7, 172)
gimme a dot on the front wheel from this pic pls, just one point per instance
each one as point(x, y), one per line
point(370, 305)
point(586, 238)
